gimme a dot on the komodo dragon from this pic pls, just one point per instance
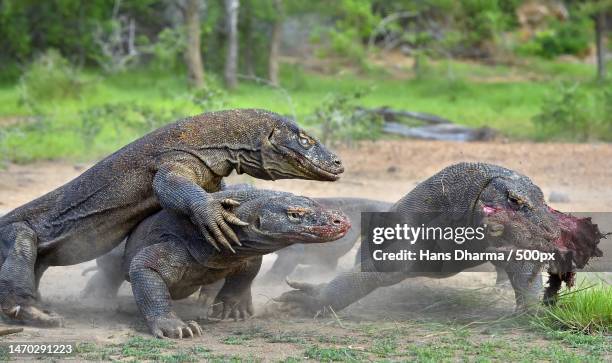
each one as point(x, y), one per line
point(468, 194)
point(166, 257)
point(174, 167)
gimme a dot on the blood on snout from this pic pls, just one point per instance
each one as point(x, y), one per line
point(488, 210)
point(334, 225)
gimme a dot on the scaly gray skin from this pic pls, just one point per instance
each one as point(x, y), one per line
point(174, 167)
point(325, 256)
point(166, 258)
point(468, 194)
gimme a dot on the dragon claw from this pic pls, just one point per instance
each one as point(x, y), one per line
point(173, 327)
point(33, 315)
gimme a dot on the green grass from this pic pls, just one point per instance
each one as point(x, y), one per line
point(385, 347)
point(341, 354)
point(506, 104)
point(234, 340)
point(145, 348)
point(419, 341)
point(586, 310)
point(139, 348)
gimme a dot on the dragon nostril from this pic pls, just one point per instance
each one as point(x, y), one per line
point(336, 221)
point(337, 162)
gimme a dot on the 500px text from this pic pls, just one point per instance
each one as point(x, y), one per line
point(462, 255)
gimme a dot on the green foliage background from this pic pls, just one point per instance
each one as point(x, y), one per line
point(57, 102)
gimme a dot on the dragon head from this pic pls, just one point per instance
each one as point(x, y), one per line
point(517, 217)
point(287, 218)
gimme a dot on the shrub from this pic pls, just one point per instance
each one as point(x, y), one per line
point(569, 37)
point(574, 112)
point(50, 77)
point(210, 96)
point(168, 49)
point(481, 20)
point(341, 120)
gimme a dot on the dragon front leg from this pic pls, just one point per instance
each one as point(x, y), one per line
point(18, 280)
point(148, 275)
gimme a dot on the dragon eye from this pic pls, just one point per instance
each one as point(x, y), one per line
point(515, 201)
point(305, 142)
point(295, 215)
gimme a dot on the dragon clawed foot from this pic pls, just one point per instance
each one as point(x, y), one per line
point(172, 327)
point(236, 306)
point(305, 299)
point(32, 315)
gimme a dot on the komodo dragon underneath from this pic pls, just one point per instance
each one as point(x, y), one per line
point(166, 258)
point(174, 167)
point(470, 194)
point(321, 255)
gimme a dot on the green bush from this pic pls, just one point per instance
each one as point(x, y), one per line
point(568, 37)
point(168, 49)
point(343, 121)
point(575, 112)
point(481, 20)
point(50, 77)
point(210, 97)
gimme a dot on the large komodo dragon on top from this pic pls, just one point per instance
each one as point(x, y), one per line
point(276, 220)
point(174, 167)
point(470, 194)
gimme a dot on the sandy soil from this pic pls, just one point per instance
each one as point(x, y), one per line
point(381, 170)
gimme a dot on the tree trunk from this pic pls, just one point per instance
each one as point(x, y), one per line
point(275, 40)
point(249, 54)
point(193, 54)
point(600, 20)
point(231, 60)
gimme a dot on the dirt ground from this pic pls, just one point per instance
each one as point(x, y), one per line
point(464, 314)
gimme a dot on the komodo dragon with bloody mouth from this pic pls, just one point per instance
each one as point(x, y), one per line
point(469, 194)
point(166, 258)
point(174, 167)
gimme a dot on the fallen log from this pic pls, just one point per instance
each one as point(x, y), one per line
point(389, 115)
point(8, 331)
point(426, 126)
point(442, 132)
